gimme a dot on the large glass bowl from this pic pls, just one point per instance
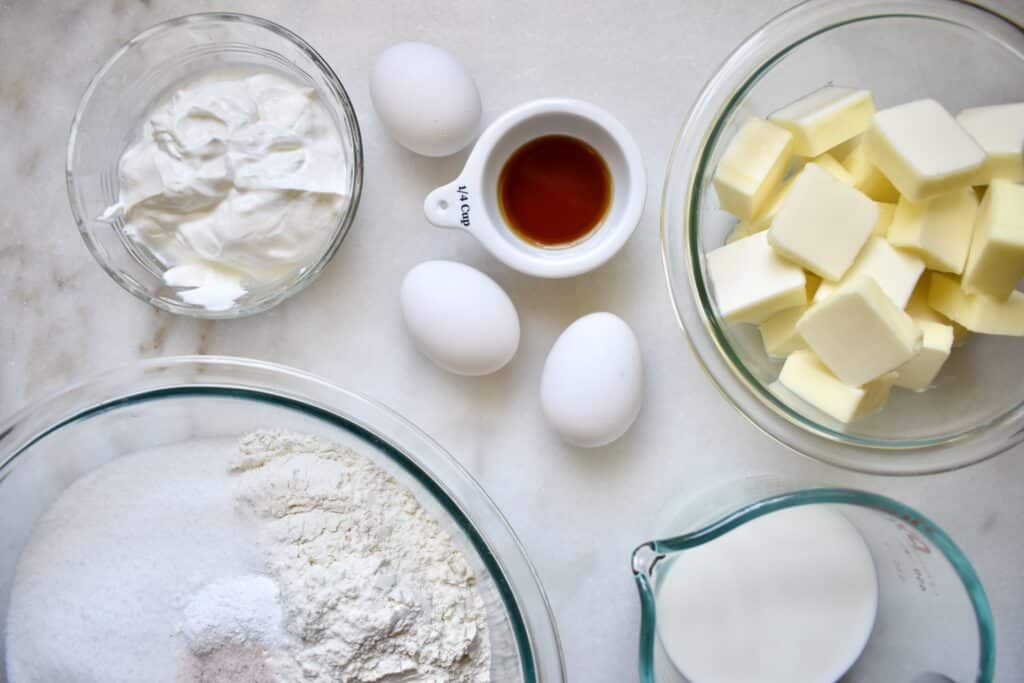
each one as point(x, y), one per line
point(143, 71)
point(46, 447)
point(901, 50)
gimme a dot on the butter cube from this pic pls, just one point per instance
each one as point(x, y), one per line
point(1000, 132)
point(806, 376)
point(977, 312)
point(842, 150)
point(739, 231)
point(822, 223)
point(763, 219)
point(751, 282)
point(938, 230)
point(752, 166)
point(886, 212)
point(919, 372)
point(830, 164)
point(867, 178)
point(996, 261)
point(826, 118)
point(918, 309)
point(779, 332)
point(859, 333)
point(895, 271)
point(921, 148)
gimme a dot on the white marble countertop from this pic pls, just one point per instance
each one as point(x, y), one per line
point(62, 318)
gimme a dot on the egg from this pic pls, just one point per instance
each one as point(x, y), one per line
point(592, 384)
point(426, 99)
point(459, 318)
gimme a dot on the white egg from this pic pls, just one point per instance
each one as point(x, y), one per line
point(593, 381)
point(459, 318)
point(426, 98)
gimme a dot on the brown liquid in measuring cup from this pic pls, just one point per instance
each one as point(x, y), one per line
point(554, 190)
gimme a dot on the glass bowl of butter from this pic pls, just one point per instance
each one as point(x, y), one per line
point(214, 165)
point(819, 172)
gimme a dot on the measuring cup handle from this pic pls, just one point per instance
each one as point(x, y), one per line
point(447, 206)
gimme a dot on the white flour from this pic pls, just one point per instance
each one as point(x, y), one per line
point(374, 589)
point(307, 563)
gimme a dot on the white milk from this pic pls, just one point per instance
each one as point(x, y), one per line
point(787, 598)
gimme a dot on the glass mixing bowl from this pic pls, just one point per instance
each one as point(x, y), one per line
point(901, 50)
point(47, 446)
point(142, 72)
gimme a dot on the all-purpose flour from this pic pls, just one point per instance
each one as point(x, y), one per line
point(374, 589)
point(305, 563)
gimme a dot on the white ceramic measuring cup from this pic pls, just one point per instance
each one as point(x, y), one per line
point(470, 202)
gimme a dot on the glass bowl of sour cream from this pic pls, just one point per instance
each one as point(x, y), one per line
point(214, 165)
point(901, 50)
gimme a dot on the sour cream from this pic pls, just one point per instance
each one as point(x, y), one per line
point(238, 181)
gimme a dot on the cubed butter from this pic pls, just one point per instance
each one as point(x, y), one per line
point(752, 166)
point(921, 148)
point(919, 372)
point(826, 118)
point(939, 230)
point(859, 333)
point(919, 309)
point(779, 332)
point(751, 282)
point(866, 176)
point(1000, 132)
point(886, 212)
point(977, 312)
point(895, 271)
point(822, 223)
point(996, 261)
point(739, 231)
point(830, 164)
point(806, 376)
point(842, 150)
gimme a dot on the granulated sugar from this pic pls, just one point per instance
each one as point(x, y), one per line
point(102, 585)
point(282, 558)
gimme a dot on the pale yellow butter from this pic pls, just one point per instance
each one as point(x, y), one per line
point(996, 261)
point(826, 118)
point(938, 230)
point(859, 333)
point(919, 372)
point(866, 176)
point(751, 282)
point(977, 312)
point(921, 148)
point(752, 166)
point(895, 271)
point(886, 212)
point(822, 223)
point(806, 376)
point(919, 309)
point(1000, 132)
point(779, 332)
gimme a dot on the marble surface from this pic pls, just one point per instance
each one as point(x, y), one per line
point(62, 318)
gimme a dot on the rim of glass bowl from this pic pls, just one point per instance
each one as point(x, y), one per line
point(524, 599)
point(339, 94)
point(682, 253)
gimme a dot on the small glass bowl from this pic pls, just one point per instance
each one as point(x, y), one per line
point(901, 50)
point(47, 446)
point(110, 116)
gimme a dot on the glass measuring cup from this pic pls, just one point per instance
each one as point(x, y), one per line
point(933, 622)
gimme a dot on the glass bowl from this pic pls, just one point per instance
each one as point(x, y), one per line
point(111, 113)
point(958, 53)
point(47, 446)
